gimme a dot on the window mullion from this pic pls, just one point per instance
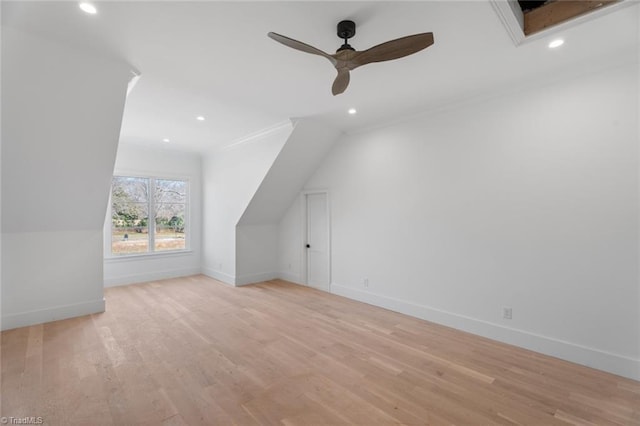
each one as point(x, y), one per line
point(152, 215)
point(187, 217)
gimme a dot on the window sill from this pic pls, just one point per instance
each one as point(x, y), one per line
point(147, 256)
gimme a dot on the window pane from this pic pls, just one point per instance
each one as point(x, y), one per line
point(170, 225)
point(129, 215)
point(132, 189)
point(130, 235)
point(170, 199)
point(170, 191)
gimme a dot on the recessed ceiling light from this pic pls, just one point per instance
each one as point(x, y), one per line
point(165, 140)
point(556, 43)
point(200, 118)
point(352, 111)
point(88, 8)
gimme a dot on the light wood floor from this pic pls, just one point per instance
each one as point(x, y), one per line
point(195, 351)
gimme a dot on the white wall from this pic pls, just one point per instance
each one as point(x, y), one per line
point(528, 201)
point(0, 188)
point(256, 253)
point(159, 162)
point(230, 180)
point(61, 114)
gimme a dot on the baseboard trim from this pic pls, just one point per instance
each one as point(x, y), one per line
point(590, 357)
point(151, 276)
point(240, 280)
point(255, 278)
point(39, 316)
point(218, 275)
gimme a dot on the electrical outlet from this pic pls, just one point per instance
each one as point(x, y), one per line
point(365, 282)
point(507, 313)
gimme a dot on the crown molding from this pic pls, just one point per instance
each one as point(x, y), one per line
point(257, 135)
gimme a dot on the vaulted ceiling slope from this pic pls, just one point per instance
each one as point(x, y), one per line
point(214, 59)
point(305, 148)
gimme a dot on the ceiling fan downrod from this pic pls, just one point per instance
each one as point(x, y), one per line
point(346, 30)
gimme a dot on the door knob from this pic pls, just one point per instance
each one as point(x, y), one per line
point(308, 246)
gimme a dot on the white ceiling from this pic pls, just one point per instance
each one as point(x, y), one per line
point(215, 59)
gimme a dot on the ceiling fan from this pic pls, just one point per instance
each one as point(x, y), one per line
point(347, 58)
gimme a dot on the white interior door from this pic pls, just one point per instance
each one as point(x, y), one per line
point(317, 245)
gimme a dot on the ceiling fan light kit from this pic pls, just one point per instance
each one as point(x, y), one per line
point(347, 59)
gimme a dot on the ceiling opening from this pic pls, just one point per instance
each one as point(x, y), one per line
point(540, 15)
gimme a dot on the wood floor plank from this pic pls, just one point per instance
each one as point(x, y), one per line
point(193, 351)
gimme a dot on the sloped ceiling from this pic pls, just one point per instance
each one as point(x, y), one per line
point(215, 59)
point(306, 147)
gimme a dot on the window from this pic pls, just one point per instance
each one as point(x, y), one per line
point(148, 215)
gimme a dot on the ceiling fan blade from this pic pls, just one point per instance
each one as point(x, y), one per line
point(298, 45)
point(393, 49)
point(341, 82)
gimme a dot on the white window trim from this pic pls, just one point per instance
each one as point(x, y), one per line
point(110, 257)
point(146, 256)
